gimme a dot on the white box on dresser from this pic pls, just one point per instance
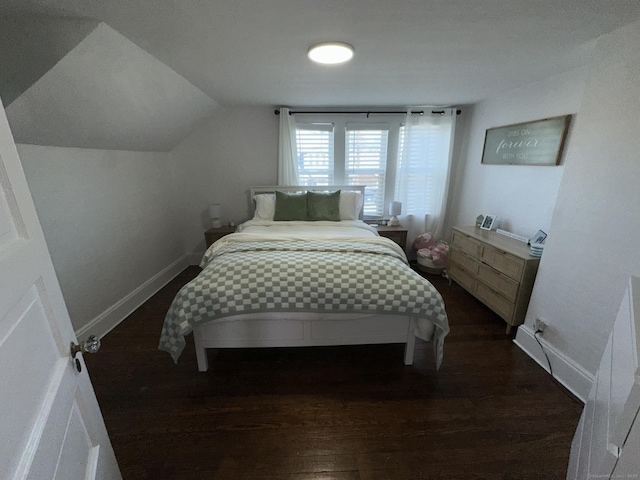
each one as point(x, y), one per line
point(607, 440)
point(496, 269)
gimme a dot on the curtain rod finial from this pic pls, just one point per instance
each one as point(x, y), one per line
point(277, 112)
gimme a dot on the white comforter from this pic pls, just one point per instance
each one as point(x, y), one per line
point(344, 228)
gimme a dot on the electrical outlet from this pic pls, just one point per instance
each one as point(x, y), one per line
point(539, 325)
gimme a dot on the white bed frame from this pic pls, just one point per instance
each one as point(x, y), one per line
point(303, 330)
point(294, 329)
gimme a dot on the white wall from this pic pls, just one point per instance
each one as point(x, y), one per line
point(234, 150)
point(111, 223)
point(522, 197)
point(593, 246)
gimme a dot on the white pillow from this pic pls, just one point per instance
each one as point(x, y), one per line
point(265, 206)
point(350, 205)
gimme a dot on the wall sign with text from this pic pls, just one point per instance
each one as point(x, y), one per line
point(531, 143)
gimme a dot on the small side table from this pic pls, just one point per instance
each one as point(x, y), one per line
point(398, 234)
point(214, 234)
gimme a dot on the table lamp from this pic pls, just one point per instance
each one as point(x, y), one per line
point(395, 209)
point(215, 212)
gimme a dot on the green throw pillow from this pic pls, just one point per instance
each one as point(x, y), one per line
point(290, 206)
point(323, 206)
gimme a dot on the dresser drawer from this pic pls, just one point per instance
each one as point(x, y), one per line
point(499, 282)
point(462, 277)
point(503, 262)
point(495, 302)
point(465, 261)
point(466, 243)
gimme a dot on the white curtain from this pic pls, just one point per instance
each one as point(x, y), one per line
point(424, 169)
point(287, 150)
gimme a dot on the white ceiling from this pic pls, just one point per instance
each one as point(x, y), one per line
point(408, 52)
point(107, 93)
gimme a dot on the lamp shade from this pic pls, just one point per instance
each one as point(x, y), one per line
point(395, 208)
point(215, 210)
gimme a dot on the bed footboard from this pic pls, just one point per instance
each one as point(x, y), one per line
point(289, 331)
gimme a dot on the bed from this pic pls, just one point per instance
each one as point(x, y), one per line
point(305, 283)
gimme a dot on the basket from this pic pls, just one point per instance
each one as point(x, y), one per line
point(427, 266)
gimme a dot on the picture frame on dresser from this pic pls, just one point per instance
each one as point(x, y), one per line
point(487, 222)
point(539, 237)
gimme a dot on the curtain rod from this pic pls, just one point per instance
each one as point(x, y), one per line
point(368, 112)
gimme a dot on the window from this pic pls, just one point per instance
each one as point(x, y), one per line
point(315, 154)
point(422, 170)
point(345, 150)
point(366, 164)
point(349, 148)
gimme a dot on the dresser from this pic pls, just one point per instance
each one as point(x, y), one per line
point(497, 270)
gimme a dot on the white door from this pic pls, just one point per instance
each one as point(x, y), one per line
point(50, 421)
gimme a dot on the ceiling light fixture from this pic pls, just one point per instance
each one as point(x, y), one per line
point(330, 53)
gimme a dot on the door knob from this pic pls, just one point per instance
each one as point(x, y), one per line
point(90, 345)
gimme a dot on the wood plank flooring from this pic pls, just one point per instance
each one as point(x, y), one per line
point(333, 413)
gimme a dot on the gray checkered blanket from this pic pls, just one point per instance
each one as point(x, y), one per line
point(245, 273)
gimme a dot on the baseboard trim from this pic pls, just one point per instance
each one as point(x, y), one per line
point(575, 378)
point(112, 316)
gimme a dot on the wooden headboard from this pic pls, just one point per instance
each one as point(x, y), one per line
point(253, 191)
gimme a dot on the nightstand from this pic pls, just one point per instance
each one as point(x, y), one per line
point(397, 234)
point(213, 234)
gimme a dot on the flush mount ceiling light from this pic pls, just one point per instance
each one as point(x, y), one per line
point(330, 53)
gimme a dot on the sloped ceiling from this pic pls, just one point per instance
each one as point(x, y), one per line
point(30, 46)
point(107, 93)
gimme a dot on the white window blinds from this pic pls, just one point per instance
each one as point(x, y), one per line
point(366, 163)
point(315, 154)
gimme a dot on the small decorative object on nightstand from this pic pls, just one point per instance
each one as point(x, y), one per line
point(215, 212)
point(395, 209)
point(398, 234)
point(214, 234)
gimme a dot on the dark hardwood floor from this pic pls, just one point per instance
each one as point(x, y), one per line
point(342, 413)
